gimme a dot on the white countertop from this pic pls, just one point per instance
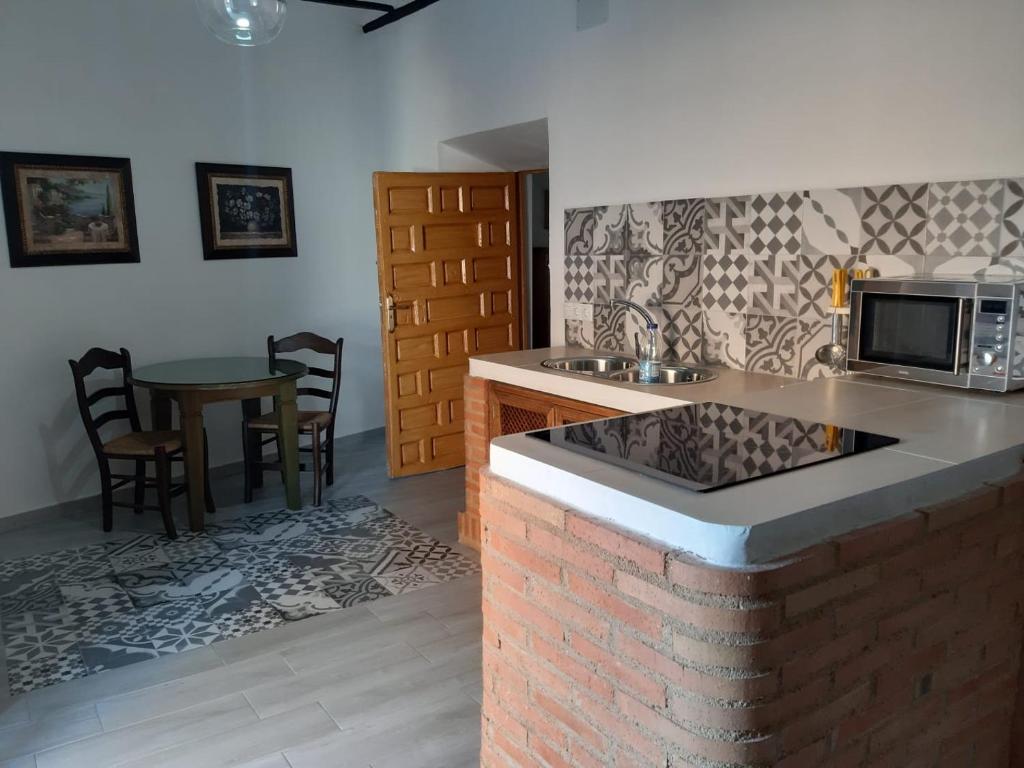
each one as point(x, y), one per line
point(950, 442)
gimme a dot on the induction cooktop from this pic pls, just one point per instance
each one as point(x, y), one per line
point(708, 446)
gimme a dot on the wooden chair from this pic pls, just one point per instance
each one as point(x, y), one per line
point(318, 424)
point(160, 447)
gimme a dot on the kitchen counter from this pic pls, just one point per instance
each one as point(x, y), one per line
point(950, 441)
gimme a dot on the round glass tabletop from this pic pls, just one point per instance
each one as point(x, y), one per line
point(215, 372)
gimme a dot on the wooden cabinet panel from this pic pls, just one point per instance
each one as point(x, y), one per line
point(493, 410)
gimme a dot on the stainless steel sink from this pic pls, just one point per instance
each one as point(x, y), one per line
point(670, 374)
point(591, 365)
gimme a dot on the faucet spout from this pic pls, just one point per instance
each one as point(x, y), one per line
point(638, 309)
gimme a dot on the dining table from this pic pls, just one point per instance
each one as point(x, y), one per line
point(196, 382)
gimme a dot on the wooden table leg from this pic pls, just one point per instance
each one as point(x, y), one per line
point(288, 435)
point(192, 424)
point(254, 440)
point(160, 408)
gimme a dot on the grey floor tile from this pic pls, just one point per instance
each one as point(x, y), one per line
point(29, 738)
point(257, 740)
point(149, 736)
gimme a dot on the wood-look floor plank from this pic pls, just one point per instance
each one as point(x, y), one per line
point(149, 736)
point(29, 738)
point(273, 698)
point(424, 734)
point(119, 711)
point(135, 677)
point(421, 629)
point(277, 734)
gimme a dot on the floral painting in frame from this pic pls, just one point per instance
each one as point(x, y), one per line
point(245, 211)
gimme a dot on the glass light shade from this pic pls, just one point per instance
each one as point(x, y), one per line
point(243, 22)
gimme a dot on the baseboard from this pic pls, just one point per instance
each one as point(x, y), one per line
point(92, 503)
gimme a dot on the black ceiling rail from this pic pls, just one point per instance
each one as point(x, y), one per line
point(391, 13)
point(398, 13)
point(361, 4)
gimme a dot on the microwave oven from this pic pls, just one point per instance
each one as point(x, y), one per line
point(958, 331)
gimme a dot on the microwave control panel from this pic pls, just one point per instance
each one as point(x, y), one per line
point(992, 349)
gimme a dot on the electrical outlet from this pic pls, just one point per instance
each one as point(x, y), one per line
point(577, 311)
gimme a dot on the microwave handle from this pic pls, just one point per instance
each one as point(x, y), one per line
point(959, 348)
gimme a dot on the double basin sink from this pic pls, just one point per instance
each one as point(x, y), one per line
point(616, 368)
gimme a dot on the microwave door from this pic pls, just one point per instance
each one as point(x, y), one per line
point(912, 331)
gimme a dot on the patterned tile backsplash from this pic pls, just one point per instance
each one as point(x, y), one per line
point(745, 281)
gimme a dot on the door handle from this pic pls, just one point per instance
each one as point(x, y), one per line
point(391, 307)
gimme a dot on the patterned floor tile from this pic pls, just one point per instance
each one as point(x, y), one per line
point(134, 554)
point(775, 227)
point(1011, 238)
point(831, 222)
point(772, 345)
point(726, 266)
point(725, 341)
point(579, 231)
point(610, 229)
point(90, 601)
point(609, 277)
point(254, 617)
point(352, 593)
point(645, 229)
point(43, 641)
point(894, 220)
point(408, 579)
point(579, 278)
point(152, 596)
point(963, 221)
point(147, 586)
point(27, 676)
point(182, 628)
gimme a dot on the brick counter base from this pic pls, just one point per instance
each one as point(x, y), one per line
point(896, 646)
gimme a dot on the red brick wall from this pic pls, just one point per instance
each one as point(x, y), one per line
point(895, 646)
point(475, 403)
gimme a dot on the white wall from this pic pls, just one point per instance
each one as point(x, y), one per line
point(142, 79)
point(670, 98)
point(677, 98)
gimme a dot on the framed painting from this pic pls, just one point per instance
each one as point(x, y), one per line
point(62, 210)
point(246, 212)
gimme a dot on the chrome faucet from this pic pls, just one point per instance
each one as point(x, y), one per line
point(648, 352)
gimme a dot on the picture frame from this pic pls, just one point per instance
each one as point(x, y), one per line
point(246, 211)
point(68, 210)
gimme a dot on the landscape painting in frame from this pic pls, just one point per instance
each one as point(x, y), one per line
point(63, 210)
point(246, 212)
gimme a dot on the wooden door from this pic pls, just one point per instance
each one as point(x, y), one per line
point(448, 270)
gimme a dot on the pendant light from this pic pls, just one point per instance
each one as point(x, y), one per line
point(243, 22)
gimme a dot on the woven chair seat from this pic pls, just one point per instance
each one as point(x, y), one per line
point(306, 420)
point(144, 443)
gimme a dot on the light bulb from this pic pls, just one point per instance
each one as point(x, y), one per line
point(243, 22)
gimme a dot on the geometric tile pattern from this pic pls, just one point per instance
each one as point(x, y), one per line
point(964, 220)
point(579, 231)
point(759, 267)
point(894, 219)
point(579, 278)
point(725, 271)
point(775, 226)
point(79, 612)
point(1011, 241)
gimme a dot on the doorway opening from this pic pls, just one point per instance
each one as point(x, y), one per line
point(523, 149)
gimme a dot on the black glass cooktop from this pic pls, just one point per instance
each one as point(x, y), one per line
point(707, 446)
